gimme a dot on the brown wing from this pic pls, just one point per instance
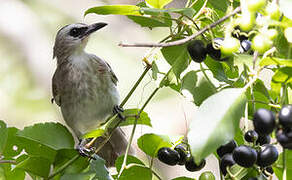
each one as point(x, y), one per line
point(114, 77)
point(56, 96)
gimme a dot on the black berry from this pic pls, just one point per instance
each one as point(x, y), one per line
point(226, 148)
point(192, 166)
point(267, 156)
point(251, 136)
point(284, 138)
point(168, 156)
point(226, 160)
point(182, 154)
point(215, 53)
point(197, 51)
point(245, 45)
point(244, 156)
point(264, 121)
point(285, 116)
point(263, 139)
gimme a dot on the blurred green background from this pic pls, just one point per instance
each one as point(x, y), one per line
point(27, 32)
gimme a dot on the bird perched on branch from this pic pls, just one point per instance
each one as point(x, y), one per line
point(84, 86)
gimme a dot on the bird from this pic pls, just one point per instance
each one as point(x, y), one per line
point(84, 86)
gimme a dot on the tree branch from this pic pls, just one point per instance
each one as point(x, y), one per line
point(183, 41)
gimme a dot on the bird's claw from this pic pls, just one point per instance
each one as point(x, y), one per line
point(86, 152)
point(118, 110)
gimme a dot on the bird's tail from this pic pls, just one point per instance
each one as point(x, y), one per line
point(115, 147)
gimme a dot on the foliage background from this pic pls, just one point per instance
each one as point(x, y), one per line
point(27, 31)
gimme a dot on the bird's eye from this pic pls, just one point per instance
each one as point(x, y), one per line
point(75, 32)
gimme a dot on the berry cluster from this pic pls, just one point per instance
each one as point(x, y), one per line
point(257, 150)
point(236, 36)
point(179, 155)
point(284, 130)
point(265, 122)
point(247, 156)
point(219, 50)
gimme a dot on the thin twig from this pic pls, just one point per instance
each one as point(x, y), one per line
point(68, 163)
point(135, 86)
point(134, 129)
point(182, 41)
point(8, 161)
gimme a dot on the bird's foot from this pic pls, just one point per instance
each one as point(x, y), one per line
point(118, 110)
point(85, 151)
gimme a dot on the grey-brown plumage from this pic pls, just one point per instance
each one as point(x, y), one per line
point(84, 86)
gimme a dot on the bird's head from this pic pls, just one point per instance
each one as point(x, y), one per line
point(73, 37)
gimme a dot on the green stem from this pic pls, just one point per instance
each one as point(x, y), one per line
point(269, 104)
point(68, 163)
point(135, 86)
point(206, 76)
point(140, 165)
point(252, 98)
point(133, 131)
point(284, 165)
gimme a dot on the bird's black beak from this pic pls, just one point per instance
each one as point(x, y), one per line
point(94, 27)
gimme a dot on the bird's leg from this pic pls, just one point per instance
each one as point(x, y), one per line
point(84, 149)
point(118, 110)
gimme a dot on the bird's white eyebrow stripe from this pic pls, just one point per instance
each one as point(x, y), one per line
point(69, 25)
point(64, 27)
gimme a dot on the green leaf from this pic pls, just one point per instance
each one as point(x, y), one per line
point(198, 5)
point(13, 146)
point(171, 81)
point(130, 120)
point(284, 48)
point(216, 69)
point(221, 6)
point(200, 90)
point(278, 166)
point(78, 176)
point(143, 118)
point(177, 57)
point(155, 70)
point(98, 166)
point(4, 136)
point(183, 11)
point(158, 3)
point(216, 122)
point(151, 143)
point(282, 75)
point(151, 22)
point(134, 171)
point(37, 165)
point(275, 61)
point(246, 59)
point(114, 9)
point(260, 87)
point(52, 135)
point(96, 171)
point(64, 155)
point(7, 173)
point(130, 160)
point(183, 178)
